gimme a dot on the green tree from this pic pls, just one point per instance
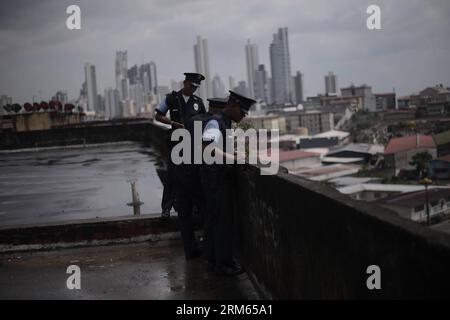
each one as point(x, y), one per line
point(420, 161)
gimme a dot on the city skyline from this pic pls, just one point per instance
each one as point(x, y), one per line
point(322, 38)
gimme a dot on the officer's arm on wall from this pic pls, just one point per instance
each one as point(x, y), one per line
point(213, 135)
point(161, 111)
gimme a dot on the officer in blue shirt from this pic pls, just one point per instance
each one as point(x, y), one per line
point(182, 106)
point(218, 185)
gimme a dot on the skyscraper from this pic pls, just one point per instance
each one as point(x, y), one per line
point(298, 87)
point(231, 82)
point(241, 88)
point(218, 88)
point(134, 75)
point(280, 67)
point(148, 76)
point(330, 83)
point(61, 96)
point(112, 103)
point(124, 91)
point(261, 84)
point(202, 66)
point(252, 62)
point(91, 87)
point(121, 71)
point(137, 95)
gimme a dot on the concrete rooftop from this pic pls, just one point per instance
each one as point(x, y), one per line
point(150, 270)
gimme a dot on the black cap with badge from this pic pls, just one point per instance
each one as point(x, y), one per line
point(195, 78)
point(244, 103)
point(218, 103)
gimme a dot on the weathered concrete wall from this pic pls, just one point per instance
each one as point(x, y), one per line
point(303, 240)
point(99, 132)
point(38, 121)
point(87, 233)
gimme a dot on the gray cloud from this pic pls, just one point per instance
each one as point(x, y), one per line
point(38, 54)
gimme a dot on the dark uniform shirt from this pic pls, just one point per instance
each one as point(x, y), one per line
point(180, 109)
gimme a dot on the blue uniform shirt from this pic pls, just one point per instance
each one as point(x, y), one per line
point(163, 107)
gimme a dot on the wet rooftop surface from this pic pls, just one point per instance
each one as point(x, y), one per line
point(61, 184)
point(151, 270)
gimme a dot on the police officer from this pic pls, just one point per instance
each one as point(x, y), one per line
point(217, 182)
point(190, 195)
point(181, 105)
point(179, 187)
point(216, 106)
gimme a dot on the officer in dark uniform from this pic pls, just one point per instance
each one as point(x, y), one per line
point(216, 106)
point(217, 182)
point(180, 105)
point(178, 190)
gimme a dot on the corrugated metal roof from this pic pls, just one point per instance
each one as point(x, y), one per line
point(420, 141)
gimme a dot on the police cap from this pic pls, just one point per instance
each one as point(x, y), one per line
point(218, 103)
point(244, 103)
point(195, 78)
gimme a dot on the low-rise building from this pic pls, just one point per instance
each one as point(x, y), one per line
point(439, 169)
point(363, 92)
point(400, 151)
point(368, 152)
point(385, 101)
point(324, 173)
point(403, 102)
point(376, 191)
point(412, 205)
point(442, 141)
point(295, 159)
point(432, 101)
point(268, 122)
point(317, 122)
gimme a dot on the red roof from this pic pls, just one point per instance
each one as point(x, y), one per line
point(410, 142)
point(296, 154)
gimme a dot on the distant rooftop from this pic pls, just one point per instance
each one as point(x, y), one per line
point(341, 160)
point(348, 181)
point(297, 154)
point(415, 198)
point(383, 187)
point(323, 173)
point(408, 143)
point(360, 148)
point(332, 133)
point(442, 138)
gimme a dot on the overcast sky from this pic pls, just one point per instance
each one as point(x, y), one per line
point(38, 55)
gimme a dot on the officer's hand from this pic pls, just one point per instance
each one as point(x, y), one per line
point(177, 125)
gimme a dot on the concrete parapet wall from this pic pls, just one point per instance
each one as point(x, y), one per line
point(87, 233)
point(303, 240)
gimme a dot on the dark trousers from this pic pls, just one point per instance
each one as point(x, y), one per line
point(188, 195)
point(168, 198)
point(217, 183)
